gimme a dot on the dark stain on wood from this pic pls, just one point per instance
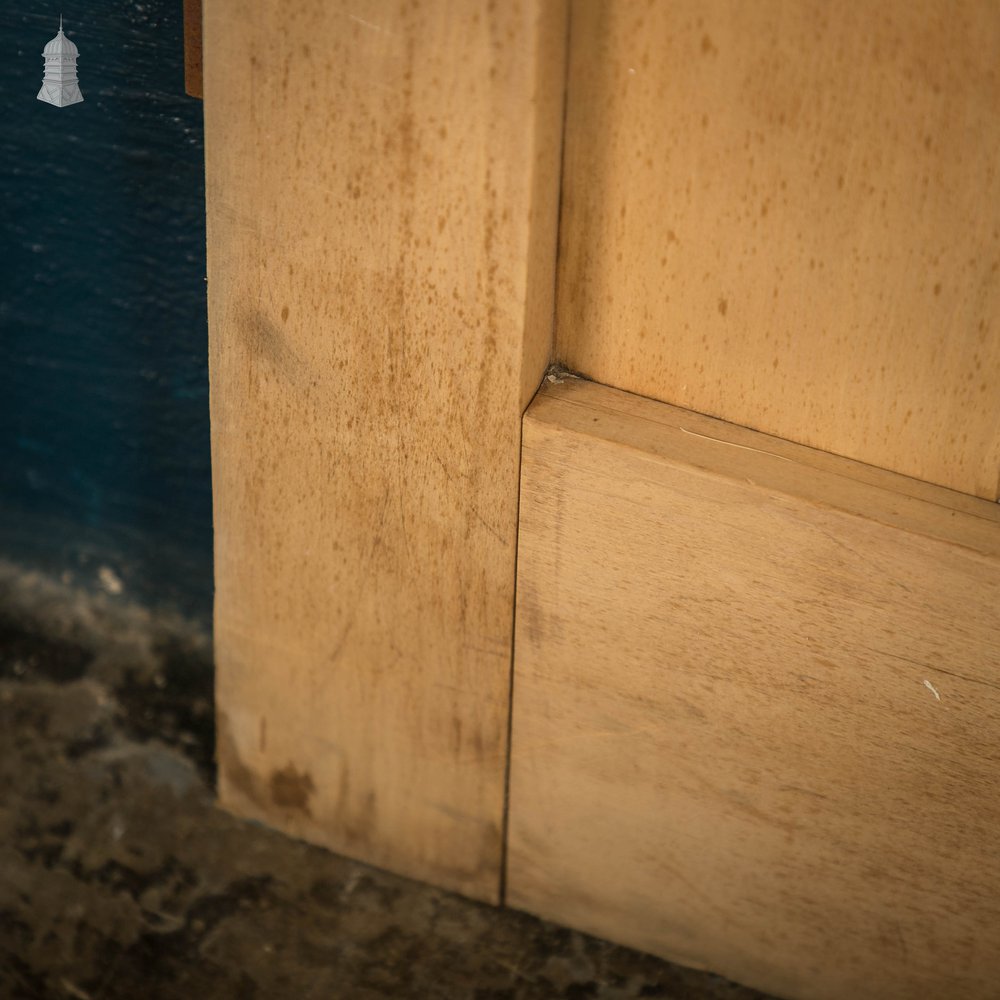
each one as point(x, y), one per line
point(287, 788)
point(291, 789)
point(268, 343)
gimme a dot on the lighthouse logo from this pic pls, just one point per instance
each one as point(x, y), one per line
point(59, 85)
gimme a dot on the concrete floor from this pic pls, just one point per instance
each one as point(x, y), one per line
point(119, 878)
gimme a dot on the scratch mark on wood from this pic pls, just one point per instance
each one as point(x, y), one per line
point(731, 444)
point(369, 24)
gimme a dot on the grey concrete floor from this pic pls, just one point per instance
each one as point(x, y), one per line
point(120, 878)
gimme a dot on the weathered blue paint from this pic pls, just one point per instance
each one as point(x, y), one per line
point(104, 433)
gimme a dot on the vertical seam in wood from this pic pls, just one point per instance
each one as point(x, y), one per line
point(505, 820)
point(554, 353)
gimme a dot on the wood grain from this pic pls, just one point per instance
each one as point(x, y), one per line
point(787, 215)
point(756, 704)
point(381, 187)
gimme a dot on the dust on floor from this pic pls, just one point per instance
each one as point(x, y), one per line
point(119, 877)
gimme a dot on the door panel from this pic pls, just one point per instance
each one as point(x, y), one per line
point(756, 699)
point(787, 214)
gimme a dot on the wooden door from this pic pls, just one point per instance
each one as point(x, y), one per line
point(740, 707)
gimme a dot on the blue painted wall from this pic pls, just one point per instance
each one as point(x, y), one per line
point(104, 432)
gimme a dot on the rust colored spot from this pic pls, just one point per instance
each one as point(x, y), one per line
point(708, 46)
point(937, 288)
point(291, 789)
point(284, 313)
point(723, 307)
